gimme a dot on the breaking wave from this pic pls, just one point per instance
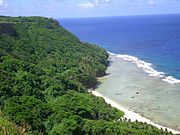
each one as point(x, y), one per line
point(147, 67)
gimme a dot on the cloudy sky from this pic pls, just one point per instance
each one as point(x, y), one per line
point(87, 8)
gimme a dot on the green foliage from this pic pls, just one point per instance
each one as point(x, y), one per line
point(44, 75)
point(9, 128)
point(101, 127)
point(70, 126)
point(27, 109)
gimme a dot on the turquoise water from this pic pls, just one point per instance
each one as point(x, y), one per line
point(148, 65)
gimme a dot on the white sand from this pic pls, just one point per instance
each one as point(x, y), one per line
point(132, 115)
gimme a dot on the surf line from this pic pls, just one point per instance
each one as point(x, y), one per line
point(147, 67)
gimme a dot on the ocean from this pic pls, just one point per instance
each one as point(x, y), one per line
point(144, 71)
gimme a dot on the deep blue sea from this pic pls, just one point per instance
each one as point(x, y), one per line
point(153, 38)
point(137, 44)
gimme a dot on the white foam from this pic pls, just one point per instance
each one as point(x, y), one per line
point(147, 67)
point(129, 114)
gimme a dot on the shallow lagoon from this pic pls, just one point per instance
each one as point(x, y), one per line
point(132, 88)
point(154, 39)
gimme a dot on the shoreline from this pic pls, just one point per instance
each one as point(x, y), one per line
point(129, 114)
point(147, 68)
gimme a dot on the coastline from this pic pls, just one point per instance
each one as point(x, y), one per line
point(129, 114)
point(147, 68)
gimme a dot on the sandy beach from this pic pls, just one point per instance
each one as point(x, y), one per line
point(129, 114)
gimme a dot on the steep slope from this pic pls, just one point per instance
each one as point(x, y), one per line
point(45, 72)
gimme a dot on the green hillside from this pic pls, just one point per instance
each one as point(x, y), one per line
point(45, 72)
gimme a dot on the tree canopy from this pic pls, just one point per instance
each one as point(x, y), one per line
point(45, 73)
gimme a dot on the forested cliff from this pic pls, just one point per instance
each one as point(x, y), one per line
point(45, 72)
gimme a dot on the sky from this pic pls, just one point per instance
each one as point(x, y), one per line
point(87, 8)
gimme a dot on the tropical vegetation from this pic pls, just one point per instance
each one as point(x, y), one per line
point(45, 73)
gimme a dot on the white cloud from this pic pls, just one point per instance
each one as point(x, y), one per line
point(85, 5)
point(151, 2)
point(1, 2)
point(106, 0)
point(96, 1)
